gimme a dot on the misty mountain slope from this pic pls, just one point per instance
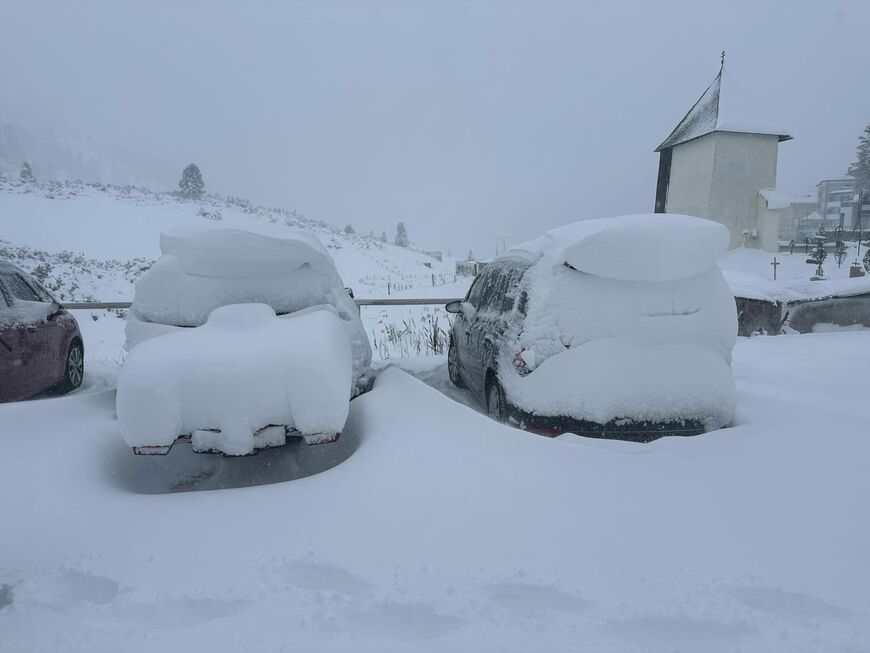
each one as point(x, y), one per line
point(55, 152)
point(92, 241)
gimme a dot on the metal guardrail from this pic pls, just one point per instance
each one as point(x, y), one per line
point(359, 302)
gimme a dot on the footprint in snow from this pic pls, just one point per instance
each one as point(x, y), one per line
point(794, 606)
point(679, 631)
point(5, 595)
point(535, 598)
point(79, 586)
point(315, 576)
point(401, 620)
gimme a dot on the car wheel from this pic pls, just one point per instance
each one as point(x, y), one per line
point(74, 370)
point(453, 366)
point(496, 405)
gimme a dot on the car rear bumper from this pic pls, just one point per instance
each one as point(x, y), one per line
point(628, 430)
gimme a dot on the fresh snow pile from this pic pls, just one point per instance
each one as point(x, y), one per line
point(243, 371)
point(204, 268)
point(613, 378)
point(601, 341)
point(643, 247)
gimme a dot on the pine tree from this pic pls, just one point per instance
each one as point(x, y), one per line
point(860, 170)
point(349, 229)
point(191, 185)
point(470, 255)
point(384, 236)
point(26, 175)
point(402, 235)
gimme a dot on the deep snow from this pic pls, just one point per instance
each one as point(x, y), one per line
point(444, 531)
point(242, 371)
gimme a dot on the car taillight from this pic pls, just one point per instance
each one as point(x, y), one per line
point(521, 360)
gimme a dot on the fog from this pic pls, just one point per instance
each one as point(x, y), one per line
point(471, 122)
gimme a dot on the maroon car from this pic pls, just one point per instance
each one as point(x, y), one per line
point(41, 346)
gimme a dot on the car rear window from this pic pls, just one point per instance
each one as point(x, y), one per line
point(500, 287)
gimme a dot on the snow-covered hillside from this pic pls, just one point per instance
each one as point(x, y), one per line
point(94, 240)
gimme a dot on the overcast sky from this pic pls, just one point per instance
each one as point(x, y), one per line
point(468, 120)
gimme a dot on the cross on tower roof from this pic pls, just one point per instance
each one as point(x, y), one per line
point(723, 107)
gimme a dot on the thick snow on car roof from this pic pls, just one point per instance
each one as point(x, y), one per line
point(258, 250)
point(642, 247)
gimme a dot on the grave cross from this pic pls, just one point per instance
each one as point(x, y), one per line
point(775, 264)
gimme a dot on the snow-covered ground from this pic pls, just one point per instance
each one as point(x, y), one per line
point(749, 272)
point(443, 531)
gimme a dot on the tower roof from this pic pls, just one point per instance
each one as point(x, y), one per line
point(723, 107)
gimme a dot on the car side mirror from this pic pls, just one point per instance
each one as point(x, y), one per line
point(54, 311)
point(453, 307)
point(467, 309)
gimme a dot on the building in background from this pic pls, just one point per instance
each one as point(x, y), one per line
point(838, 204)
point(792, 214)
point(717, 160)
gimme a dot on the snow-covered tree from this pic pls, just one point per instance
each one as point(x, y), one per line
point(860, 169)
point(349, 229)
point(191, 185)
point(26, 175)
point(470, 255)
point(402, 235)
point(383, 236)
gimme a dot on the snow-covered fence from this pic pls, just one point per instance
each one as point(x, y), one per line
point(404, 301)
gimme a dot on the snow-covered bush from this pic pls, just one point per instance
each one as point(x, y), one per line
point(239, 382)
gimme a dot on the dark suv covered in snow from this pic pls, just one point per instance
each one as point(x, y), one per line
point(562, 335)
point(41, 347)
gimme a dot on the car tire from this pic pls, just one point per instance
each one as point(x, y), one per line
point(496, 404)
point(453, 366)
point(73, 371)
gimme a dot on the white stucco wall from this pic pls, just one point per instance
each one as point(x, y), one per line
point(742, 164)
point(691, 177)
point(768, 226)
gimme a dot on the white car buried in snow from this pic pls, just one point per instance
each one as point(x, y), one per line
point(209, 358)
point(245, 380)
point(203, 268)
point(619, 328)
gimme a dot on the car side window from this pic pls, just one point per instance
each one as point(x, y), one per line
point(473, 296)
point(19, 288)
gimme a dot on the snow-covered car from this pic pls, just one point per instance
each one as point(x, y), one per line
point(203, 268)
point(245, 380)
point(41, 347)
point(619, 328)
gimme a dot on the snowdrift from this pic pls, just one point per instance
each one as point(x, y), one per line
point(204, 268)
point(615, 379)
point(643, 247)
point(226, 382)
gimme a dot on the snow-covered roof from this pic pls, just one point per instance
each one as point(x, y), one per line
point(723, 107)
point(779, 200)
